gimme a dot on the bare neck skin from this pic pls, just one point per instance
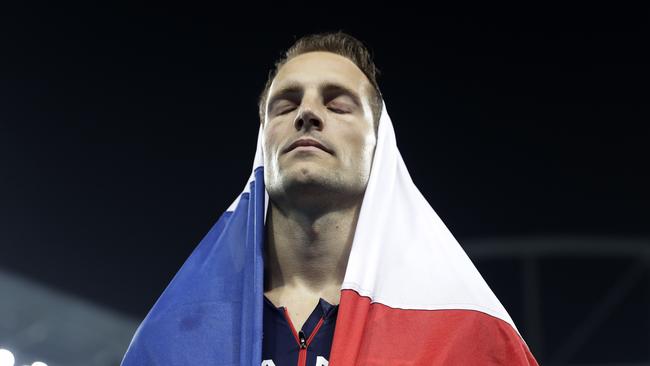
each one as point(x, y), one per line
point(306, 256)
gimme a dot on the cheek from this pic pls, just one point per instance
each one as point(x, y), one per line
point(269, 141)
point(269, 145)
point(368, 151)
point(270, 160)
point(361, 146)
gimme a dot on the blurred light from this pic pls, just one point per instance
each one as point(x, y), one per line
point(6, 358)
point(39, 363)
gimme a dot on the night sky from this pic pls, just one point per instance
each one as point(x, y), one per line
point(126, 132)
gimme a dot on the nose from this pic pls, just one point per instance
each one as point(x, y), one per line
point(308, 118)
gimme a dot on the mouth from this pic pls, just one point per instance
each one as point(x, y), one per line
point(307, 144)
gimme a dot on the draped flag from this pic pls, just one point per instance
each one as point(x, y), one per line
point(411, 296)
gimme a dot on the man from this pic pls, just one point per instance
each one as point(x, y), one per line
point(355, 269)
point(319, 138)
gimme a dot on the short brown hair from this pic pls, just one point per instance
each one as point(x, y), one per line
point(335, 42)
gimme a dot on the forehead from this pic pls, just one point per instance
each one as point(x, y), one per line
point(314, 68)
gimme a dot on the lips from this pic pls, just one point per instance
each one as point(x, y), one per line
point(307, 142)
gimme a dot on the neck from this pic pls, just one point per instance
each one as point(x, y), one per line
point(308, 252)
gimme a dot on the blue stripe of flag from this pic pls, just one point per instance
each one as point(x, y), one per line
point(211, 312)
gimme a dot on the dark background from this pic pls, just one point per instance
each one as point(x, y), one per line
point(125, 132)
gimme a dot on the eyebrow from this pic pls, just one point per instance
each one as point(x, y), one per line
point(327, 87)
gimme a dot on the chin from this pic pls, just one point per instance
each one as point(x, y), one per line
point(306, 170)
point(306, 176)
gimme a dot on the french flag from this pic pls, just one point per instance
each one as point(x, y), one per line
point(411, 296)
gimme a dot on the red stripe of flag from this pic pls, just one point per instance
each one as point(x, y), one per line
point(375, 334)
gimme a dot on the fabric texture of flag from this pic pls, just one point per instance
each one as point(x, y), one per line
point(410, 296)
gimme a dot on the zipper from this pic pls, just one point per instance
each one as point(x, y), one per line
point(302, 341)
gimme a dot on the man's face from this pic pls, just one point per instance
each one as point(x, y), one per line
point(324, 97)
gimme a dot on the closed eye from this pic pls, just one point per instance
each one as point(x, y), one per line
point(286, 111)
point(336, 110)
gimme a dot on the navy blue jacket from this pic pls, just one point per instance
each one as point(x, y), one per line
point(282, 345)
